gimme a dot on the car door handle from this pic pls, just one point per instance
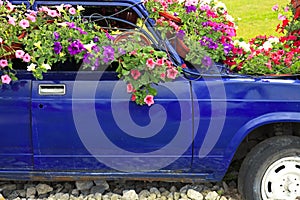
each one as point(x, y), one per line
point(52, 89)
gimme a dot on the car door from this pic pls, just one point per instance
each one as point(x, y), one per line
point(15, 122)
point(86, 120)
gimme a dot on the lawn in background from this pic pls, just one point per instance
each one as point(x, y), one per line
point(256, 16)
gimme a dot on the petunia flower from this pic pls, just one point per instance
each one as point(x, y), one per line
point(5, 79)
point(19, 54)
point(149, 100)
point(150, 63)
point(172, 73)
point(3, 63)
point(130, 88)
point(57, 47)
point(26, 58)
point(135, 74)
point(24, 23)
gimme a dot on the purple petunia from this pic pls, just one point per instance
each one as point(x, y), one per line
point(121, 51)
point(180, 34)
point(190, 9)
point(96, 49)
point(212, 45)
point(227, 48)
point(87, 58)
point(57, 47)
point(56, 35)
point(108, 53)
point(82, 32)
point(75, 47)
point(109, 36)
point(96, 39)
point(206, 61)
point(71, 24)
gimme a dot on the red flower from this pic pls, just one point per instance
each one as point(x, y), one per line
point(133, 97)
point(172, 73)
point(129, 88)
point(135, 74)
point(149, 100)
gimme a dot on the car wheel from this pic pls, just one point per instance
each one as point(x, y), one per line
point(272, 170)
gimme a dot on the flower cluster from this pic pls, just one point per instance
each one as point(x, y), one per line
point(204, 22)
point(51, 35)
point(270, 55)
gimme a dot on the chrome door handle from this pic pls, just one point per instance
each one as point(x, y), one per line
point(52, 89)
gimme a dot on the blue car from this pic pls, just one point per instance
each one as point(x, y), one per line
point(78, 124)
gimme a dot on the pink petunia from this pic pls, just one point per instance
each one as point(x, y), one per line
point(172, 73)
point(31, 17)
point(150, 63)
point(3, 63)
point(10, 7)
point(20, 53)
point(26, 58)
point(149, 100)
point(52, 13)
point(281, 17)
point(286, 9)
point(5, 79)
point(11, 20)
point(1, 40)
point(162, 75)
point(129, 88)
point(72, 11)
point(24, 23)
point(275, 7)
point(269, 65)
point(160, 62)
point(44, 9)
point(135, 74)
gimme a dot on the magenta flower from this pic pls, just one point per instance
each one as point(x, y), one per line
point(135, 74)
point(56, 35)
point(20, 54)
point(24, 23)
point(3, 63)
point(160, 61)
point(75, 47)
point(275, 7)
point(26, 58)
point(72, 11)
point(149, 100)
point(5, 79)
point(53, 13)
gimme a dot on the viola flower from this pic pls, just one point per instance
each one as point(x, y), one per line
point(19, 54)
point(75, 47)
point(108, 53)
point(130, 88)
point(3, 63)
point(57, 47)
point(172, 73)
point(24, 23)
point(5, 79)
point(206, 61)
point(135, 74)
point(150, 63)
point(149, 100)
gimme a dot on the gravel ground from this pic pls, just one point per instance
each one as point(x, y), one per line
point(118, 190)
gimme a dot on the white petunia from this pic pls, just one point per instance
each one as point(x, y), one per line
point(46, 66)
point(31, 67)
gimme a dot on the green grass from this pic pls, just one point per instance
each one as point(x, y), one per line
point(256, 16)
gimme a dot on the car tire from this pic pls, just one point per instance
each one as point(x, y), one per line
point(271, 170)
